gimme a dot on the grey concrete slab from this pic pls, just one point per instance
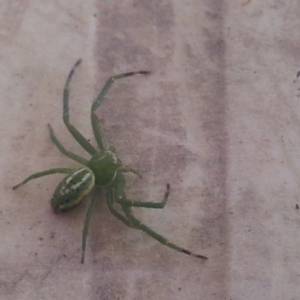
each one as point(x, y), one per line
point(217, 118)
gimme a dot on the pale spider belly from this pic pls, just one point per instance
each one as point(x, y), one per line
point(72, 189)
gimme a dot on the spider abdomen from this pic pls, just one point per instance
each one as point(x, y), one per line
point(72, 189)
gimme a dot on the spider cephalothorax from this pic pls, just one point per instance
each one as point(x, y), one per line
point(103, 169)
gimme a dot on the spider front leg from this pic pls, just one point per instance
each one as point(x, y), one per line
point(95, 123)
point(75, 133)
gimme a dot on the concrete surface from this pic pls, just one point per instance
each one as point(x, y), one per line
point(218, 118)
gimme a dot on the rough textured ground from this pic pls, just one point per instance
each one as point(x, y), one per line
point(218, 118)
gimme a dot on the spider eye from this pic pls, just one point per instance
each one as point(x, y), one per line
point(71, 191)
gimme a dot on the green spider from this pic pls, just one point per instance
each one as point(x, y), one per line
point(104, 170)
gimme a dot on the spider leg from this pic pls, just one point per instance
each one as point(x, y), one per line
point(44, 173)
point(126, 207)
point(128, 169)
point(110, 204)
point(97, 131)
point(62, 149)
point(109, 199)
point(139, 225)
point(98, 101)
point(87, 221)
point(74, 132)
point(122, 199)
